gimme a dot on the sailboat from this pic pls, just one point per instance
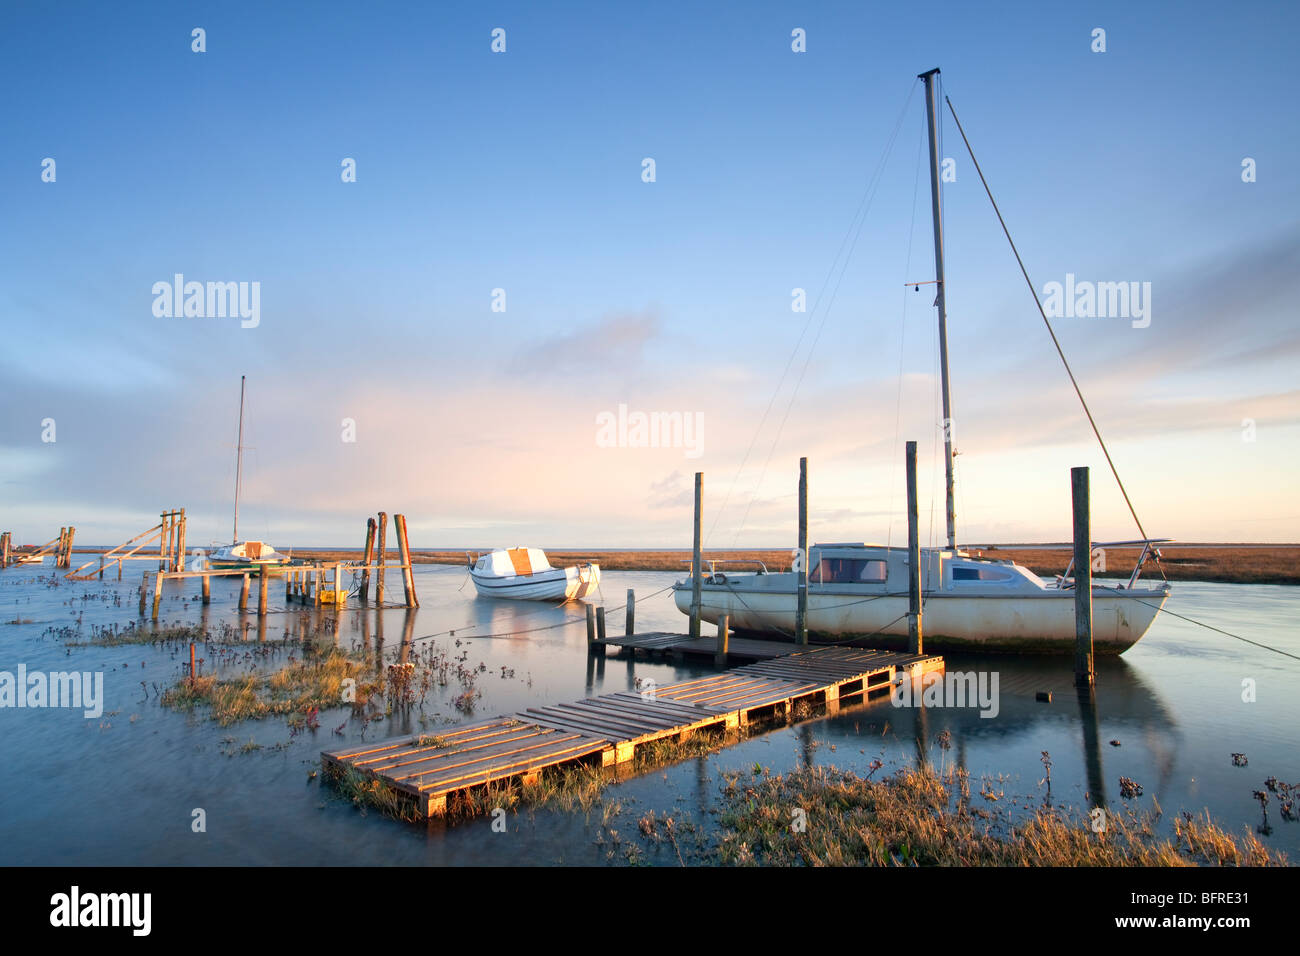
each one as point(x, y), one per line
point(858, 593)
point(243, 554)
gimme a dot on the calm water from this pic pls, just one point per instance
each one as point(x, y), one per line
point(120, 789)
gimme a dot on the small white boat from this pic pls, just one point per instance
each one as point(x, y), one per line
point(20, 558)
point(526, 574)
point(246, 554)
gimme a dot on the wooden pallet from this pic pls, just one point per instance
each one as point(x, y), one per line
point(611, 727)
point(677, 644)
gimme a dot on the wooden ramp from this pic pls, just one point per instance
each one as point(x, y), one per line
point(430, 769)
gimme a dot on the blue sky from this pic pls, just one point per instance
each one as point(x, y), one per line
point(522, 171)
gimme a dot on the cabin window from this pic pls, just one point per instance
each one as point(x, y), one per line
point(979, 574)
point(849, 571)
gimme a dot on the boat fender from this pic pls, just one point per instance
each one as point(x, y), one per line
point(719, 578)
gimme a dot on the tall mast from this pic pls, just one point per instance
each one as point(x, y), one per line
point(932, 118)
point(239, 456)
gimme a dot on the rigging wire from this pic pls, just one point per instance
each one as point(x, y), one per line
point(902, 343)
point(861, 218)
point(1050, 331)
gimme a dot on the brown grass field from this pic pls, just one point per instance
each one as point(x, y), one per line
point(1234, 564)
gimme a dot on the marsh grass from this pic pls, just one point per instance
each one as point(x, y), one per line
point(299, 687)
point(917, 818)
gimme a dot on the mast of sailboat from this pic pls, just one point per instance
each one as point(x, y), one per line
point(932, 119)
point(239, 456)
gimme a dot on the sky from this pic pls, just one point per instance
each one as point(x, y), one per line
point(450, 335)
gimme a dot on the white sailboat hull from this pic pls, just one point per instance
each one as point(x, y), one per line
point(967, 604)
point(1043, 624)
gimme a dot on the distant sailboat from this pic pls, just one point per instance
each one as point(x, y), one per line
point(243, 554)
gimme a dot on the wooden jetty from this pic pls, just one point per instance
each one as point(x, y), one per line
point(168, 534)
point(611, 727)
point(60, 547)
point(315, 583)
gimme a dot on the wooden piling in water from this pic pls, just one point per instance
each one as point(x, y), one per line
point(4, 548)
point(629, 621)
point(591, 629)
point(243, 594)
point(179, 563)
point(263, 579)
point(724, 641)
point(157, 593)
point(404, 548)
point(600, 631)
point(915, 635)
point(368, 560)
point(67, 552)
point(144, 581)
point(801, 611)
point(207, 588)
point(1084, 673)
point(379, 571)
point(697, 558)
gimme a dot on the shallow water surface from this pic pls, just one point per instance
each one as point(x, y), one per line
point(121, 789)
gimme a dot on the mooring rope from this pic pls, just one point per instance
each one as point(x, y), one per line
point(1192, 620)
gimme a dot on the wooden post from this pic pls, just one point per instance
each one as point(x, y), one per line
point(180, 543)
point(58, 551)
point(338, 584)
point(915, 637)
point(263, 579)
point(404, 546)
point(629, 625)
point(72, 533)
point(369, 559)
point(207, 588)
point(600, 630)
point(192, 675)
point(144, 581)
point(162, 542)
point(1084, 674)
point(243, 594)
point(724, 641)
point(801, 611)
point(101, 567)
point(4, 549)
point(697, 560)
point(379, 571)
point(157, 592)
point(591, 629)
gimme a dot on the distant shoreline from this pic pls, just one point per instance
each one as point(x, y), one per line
point(1224, 563)
point(1232, 564)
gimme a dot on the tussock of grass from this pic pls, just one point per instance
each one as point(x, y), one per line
point(365, 791)
point(293, 689)
point(912, 818)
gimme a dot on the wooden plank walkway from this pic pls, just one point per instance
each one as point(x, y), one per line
point(520, 746)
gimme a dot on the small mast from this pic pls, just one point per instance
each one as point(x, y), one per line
point(239, 456)
point(932, 118)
